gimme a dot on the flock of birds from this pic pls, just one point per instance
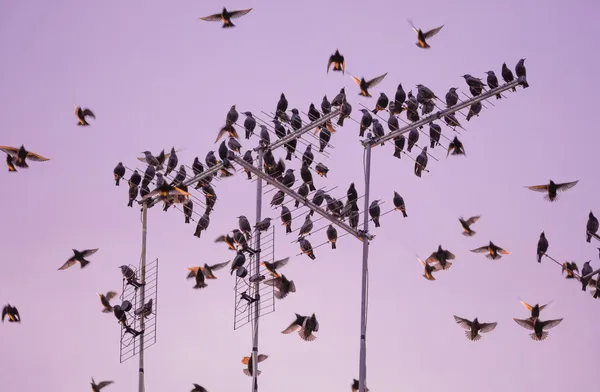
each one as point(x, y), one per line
point(175, 190)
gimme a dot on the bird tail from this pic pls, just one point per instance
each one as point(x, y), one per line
point(472, 338)
point(333, 245)
point(539, 257)
point(107, 310)
point(84, 262)
point(376, 222)
point(130, 203)
point(187, 219)
point(374, 111)
point(312, 256)
point(447, 266)
point(288, 228)
point(21, 163)
point(469, 233)
point(228, 24)
point(311, 186)
point(340, 121)
point(361, 133)
point(498, 96)
point(469, 116)
point(200, 285)
point(404, 213)
point(539, 339)
point(397, 153)
point(308, 338)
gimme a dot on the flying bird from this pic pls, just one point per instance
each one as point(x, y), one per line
point(569, 267)
point(339, 64)
point(283, 286)
point(12, 313)
point(552, 188)
point(542, 247)
point(365, 86)
point(538, 327)
point(226, 17)
point(455, 147)
point(429, 269)
point(494, 252)
point(274, 266)
point(20, 155)
point(100, 385)
point(82, 114)
point(535, 310)
point(441, 256)
point(422, 37)
point(78, 256)
point(473, 328)
point(248, 361)
point(305, 326)
point(466, 225)
point(105, 301)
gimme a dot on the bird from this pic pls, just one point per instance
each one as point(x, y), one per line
point(338, 61)
point(249, 124)
point(198, 388)
point(12, 313)
point(274, 266)
point(230, 119)
point(207, 270)
point(355, 386)
point(494, 252)
point(451, 97)
point(429, 269)
point(146, 310)
point(321, 169)
point(82, 114)
point(238, 262)
point(119, 172)
point(199, 278)
point(466, 225)
point(20, 155)
point(421, 162)
point(282, 286)
point(365, 122)
point(422, 37)
point(345, 111)
point(455, 147)
point(306, 248)
point(202, 224)
point(78, 256)
point(305, 325)
point(474, 110)
point(552, 188)
point(591, 227)
point(441, 256)
point(521, 73)
point(535, 310)
point(338, 99)
point(399, 203)
point(325, 105)
point(365, 86)
point(226, 17)
point(569, 267)
point(248, 361)
point(507, 75)
point(542, 247)
point(382, 103)
point(473, 328)
point(306, 228)
point(375, 212)
point(585, 270)
point(135, 178)
point(492, 82)
point(105, 301)
point(100, 385)
point(538, 327)
point(332, 236)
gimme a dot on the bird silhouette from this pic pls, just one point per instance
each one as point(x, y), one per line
point(226, 17)
point(338, 61)
point(422, 37)
point(552, 188)
point(473, 328)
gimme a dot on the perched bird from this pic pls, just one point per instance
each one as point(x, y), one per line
point(435, 133)
point(78, 256)
point(119, 172)
point(286, 219)
point(441, 256)
point(429, 269)
point(296, 120)
point(338, 61)
point(365, 122)
point(585, 270)
point(413, 138)
point(151, 160)
point(82, 114)
point(455, 147)
point(313, 113)
point(451, 97)
point(172, 161)
point(130, 276)
point(12, 313)
point(135, 178)
point(230, 119)
point(145, 311)
point(306, 228)
point(19, 157)
point(100, 385)
point(591, 227)
point(399, 142)
point(474, 110)
point(538, 327)
point(507, 75)
point(542, 247)
point(188, 209)
point(345, 111)
point(473, 328)
point(202, 225)
point(492, 82)
point(421, 162)
point(105, 301)
point(365, 86)
point(378, 130)
point(466, 225)
point(535, 310)
point(332, 236)
point(472, 81)
point(306, 248)
point(399, 203)
point(238, 261)
point(249, 124)
point(198, 388)
point(382, 103)
point(352, 194)
point(521, 73)
point(263, 225)
point(248, 361)
point(552, 188)
point(375, 212)
point(226, 17)
point(494, 252)
point(569, 267)
point(282, 106)
point(274, 266)
point(10, 164)
point(422, 37)
point(282, 285)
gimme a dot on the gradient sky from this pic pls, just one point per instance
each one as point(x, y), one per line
point(157, 77)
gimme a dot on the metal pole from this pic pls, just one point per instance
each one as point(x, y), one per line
point(142, 289)
point(591, 274)
point(362, 372)
point(256, 283)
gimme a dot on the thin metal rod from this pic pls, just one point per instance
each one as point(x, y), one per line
point(141, 386)
point(588, 276)
point(303, 130)
point(442, 113)
point(259, 189)
point(362, 371)
point(259, 174)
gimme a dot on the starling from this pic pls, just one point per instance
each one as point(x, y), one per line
point(441, 256)
point(308, 155)
point(393, 124)
point(472, 81)
point(339, 64)
point(399, 142)
point(375, 212)
point(413, 138)
point(365, 86)
point(399, 99)
point(199, 278)
point(521, 73)
point(542, 247)
point(119, 172)
point(234, 145)
point(289, 178)
point(78, 256)
point(382, 103)
point(421, 162)
point(399, 203)
point(422, 37)
point(451, 120)
point(321, 169)
point(248, 361)
point(12, 313)
point(466, 225)
point(507, 75)
point(82, 114)
point(296, 120)
point(306, 248)
point(172, 161)
point(586, 270)
point(19, 157)
point(535, 310)
point(352, 194)
point(282, 285)
point(306, 228)
point(569, 267)
point(145, 311)
point(429, 269)
point(494, 252)
point(365, 122)
point(538, 327)
point(435, 132)
point(325, 105)
point(277, 199)
point(151, 160)
point(474, 327)
point(452, 97)
point(249, 124)
point(105, 301)
point(202, 225)
point(135, 178)
point(455, 147)
point(378, 131)
point(324, 137)
point(345, 111)
point(238, 261)
point(591, 227)
point(332, 236)
point(274, 266)
point(226, 17)
point(313, 113)
point(263, 225)
point(207, 270)
point(474, 110)
point(133, 193)
point(100, 385)
point(492, 82)
point(149, 175)
point(231, 118)
point(129, 276)
point(198, 388)
point(286, 219)
point(338, 99)
point(552, 188)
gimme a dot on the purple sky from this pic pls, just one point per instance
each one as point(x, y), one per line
point(156, 76)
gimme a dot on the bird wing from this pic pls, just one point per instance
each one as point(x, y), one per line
point(432, 32)
point(356, 80)
point(280, 263)
point(68, 263)
point(88, 112)
point(212, 18)
point(89, 252)
point(410, 22)
point(36, 157)
point(4, 312)
point(181, 191)
point(466, 324)
point(432, 258)
point(543, 306)
point(261, 357)
point(216, 267)
point(574, 267)
point(16, 313)
point(538, 188)
point(142, 159)
point(450, 255)
point(293, 327)
point(566, 185)
point(343, 64)
point(529, 307)
point(104, 383)
point(527, 324)
point(483, 249)
point(550, 323)
point(375, 81)
point(10, 150)
point(239, 13)
point(473, 219)
point(110, 295)
point(502, 251)
point(422, 262)
point(329, 62)
point(487, 327)
point(276, 282)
